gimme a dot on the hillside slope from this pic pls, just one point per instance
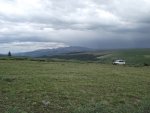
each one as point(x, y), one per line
point(51, 52)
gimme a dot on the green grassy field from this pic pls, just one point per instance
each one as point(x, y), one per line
point(73, 87)
point(134, 57)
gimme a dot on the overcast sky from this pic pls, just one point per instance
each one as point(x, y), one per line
point(27, 25)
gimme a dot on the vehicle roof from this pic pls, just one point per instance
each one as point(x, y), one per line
point(119, 60)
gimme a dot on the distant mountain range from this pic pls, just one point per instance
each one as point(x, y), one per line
point(52, 52)
point(1, 55)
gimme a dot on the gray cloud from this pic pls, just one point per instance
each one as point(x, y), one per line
point(92, 23)
point(28, 46)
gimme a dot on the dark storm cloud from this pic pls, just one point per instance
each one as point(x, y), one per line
point(92, 23)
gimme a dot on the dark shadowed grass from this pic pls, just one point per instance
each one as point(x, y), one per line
point(69, 87)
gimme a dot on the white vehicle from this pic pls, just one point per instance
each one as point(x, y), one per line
point(120, 62)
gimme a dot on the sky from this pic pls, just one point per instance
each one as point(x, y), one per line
point(27, 25)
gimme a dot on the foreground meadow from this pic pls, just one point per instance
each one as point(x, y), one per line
point(70, 87)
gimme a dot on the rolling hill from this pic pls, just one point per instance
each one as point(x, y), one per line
point(52, 52)
point(132, 56)
point(136, 57)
